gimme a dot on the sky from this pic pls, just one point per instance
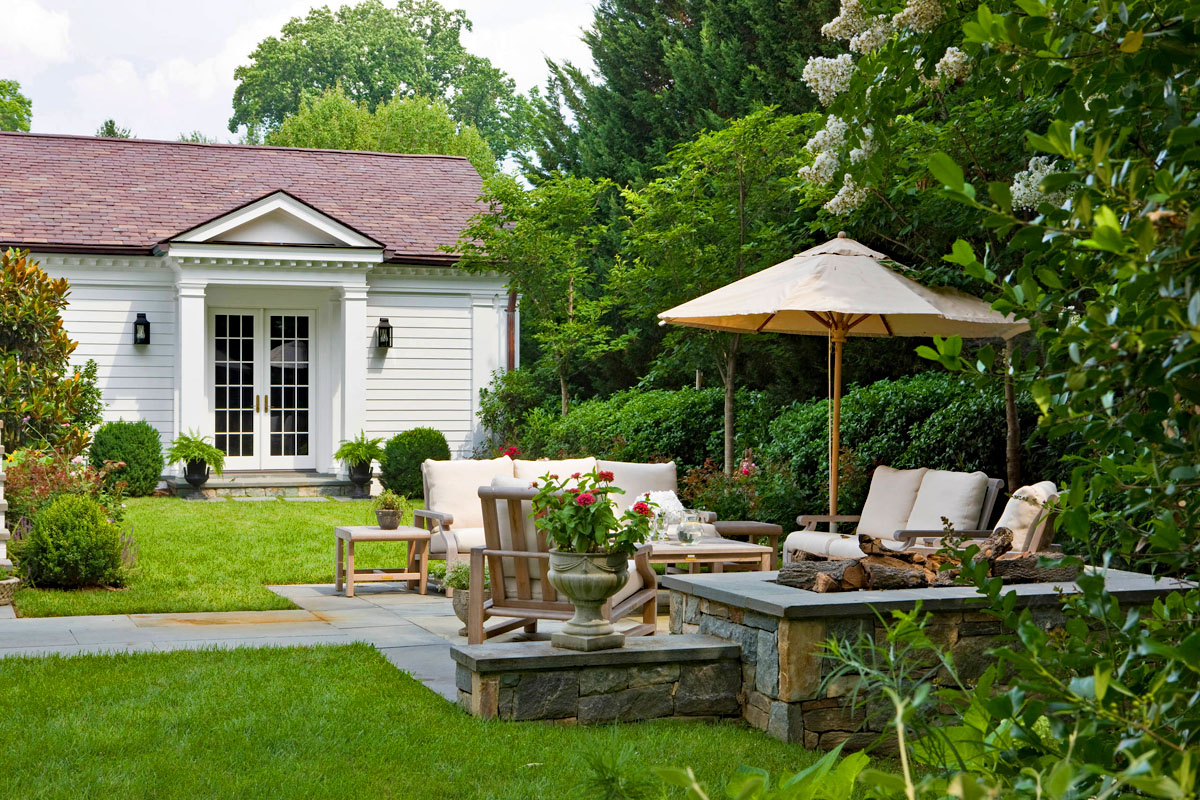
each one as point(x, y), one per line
point(165, 68)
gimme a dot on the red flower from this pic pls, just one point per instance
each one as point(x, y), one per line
point(510, 451)
point(533, 484)
point(585, 499)
point(574, 490)
point(745, 470)
point(576, 475)
point(553, 477)
point(606, 476)
point(642, 508)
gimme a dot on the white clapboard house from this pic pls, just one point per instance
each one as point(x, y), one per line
point(293, 297)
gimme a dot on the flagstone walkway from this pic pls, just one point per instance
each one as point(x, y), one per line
point(412, 631)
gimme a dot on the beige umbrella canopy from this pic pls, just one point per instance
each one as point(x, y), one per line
point(839, 289)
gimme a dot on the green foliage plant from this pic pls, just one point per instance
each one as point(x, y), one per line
point(577, 516)
point(332, 120)
point(44, 402)
point(191, 446)
point(545, 238)
point(400, 465)
point(35, 479)
point(135, 449)
point(109, 129)
point(359, 450)
point(390, 501)
point(505, 402)
point(71, 544)
point(16, 110)
point(458, 577)
point(374, 54)
point(831, 777)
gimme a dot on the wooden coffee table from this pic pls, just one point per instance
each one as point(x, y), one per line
point(416, 572)
point(711, 550)
point(753, 531)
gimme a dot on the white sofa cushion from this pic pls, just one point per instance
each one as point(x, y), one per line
point(453, 487)
point(834, 545)
point(1025, 511)
point(464, 538)
point(532, 470)
point(890, 501)
point(637, 479)
point(957, 496)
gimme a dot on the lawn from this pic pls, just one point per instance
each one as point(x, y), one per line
point(219, 557)
point(337, 722)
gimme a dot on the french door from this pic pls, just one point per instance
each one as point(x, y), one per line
point(261, 372)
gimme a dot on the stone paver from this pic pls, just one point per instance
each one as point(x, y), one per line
point(305, 499)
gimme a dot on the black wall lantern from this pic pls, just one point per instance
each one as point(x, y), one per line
point(141, 330)
point(383, 333)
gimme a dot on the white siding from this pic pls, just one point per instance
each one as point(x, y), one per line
point(135, 382)
point(424, 379)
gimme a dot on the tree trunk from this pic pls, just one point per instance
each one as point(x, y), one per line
point(730, 374)
point(1013, 441)
point(562, 388)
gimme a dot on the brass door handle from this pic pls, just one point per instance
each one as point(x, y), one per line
point(267, 403)
point(255, 404)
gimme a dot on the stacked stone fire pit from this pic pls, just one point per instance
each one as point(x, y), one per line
point(780, 631)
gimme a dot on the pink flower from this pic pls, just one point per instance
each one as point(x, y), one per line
point(553, 477)
point(575, 475)
point(573, 491)
point(606, 476)
point(77, 460)
point(745, 470)
point(585, 499)
point(642, 509)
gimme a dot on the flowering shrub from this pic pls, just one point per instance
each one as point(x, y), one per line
point(35, 479)
point(578, 517)
point(765, 492)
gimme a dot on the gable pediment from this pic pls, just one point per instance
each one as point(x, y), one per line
point(279, 219)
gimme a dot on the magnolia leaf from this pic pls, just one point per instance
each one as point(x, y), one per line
point(1132, 42)
point(946, 171)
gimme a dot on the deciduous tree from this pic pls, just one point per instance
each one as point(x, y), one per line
point(16, 110)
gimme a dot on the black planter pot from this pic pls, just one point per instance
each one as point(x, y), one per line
point(196, 474)
point(360, 476)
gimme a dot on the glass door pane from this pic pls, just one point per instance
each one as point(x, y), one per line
point(233, 382)
point(289, 384)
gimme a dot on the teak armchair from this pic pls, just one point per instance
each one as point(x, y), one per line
point(518, 564)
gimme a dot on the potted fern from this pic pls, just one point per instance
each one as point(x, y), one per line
point(198, 455)
point(358, 454)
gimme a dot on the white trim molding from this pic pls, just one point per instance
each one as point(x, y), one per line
point(286, 204)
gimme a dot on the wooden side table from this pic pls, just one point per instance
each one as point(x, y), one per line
point(753, 531)
point(416, 572)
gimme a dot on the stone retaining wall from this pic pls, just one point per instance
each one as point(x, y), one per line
point(693, 677)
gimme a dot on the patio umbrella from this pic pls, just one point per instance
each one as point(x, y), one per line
point(840, 289)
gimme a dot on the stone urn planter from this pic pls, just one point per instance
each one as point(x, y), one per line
point(360, 476)
point(388, 518)
point(461, 600)
point(587, 580)
point(196, 474)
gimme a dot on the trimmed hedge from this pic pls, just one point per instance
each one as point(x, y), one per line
point(138, 445)
point(657, 425)
point(71, 544)
point(400, 466)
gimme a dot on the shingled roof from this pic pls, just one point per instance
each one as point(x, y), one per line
point(86, 194)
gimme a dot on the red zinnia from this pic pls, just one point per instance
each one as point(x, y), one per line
point(585, 499)
point(606, 476)
point(641, 508)
point(575, 475)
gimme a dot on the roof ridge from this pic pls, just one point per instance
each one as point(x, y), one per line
point(227, 145)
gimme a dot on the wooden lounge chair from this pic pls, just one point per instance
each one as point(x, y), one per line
point(902, 502)
point(518, 565)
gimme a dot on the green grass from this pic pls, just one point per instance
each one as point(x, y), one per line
point(326, 722)
point(219, 557)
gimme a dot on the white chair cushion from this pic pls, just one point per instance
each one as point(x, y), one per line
point(532, 470)
point(465, 538)
point(453, 487)
point(890, 501)
point(834, 545)
point(1024, 512)
point(637, 479)
point(957, 496)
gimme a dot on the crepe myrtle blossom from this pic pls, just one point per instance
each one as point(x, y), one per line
point(828, 77)
point(1027, 185)
point(831, 137)
point(848, 198)
point(822, 171)
point(873, 37)
point(920, 15)
point(954, 66)
point(851, 20)
point(865, 148)
point(585, 499)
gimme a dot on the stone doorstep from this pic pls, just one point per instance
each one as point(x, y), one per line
point(536, 656)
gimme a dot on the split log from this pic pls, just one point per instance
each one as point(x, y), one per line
point(996, 545)
point(839, 575)
point(1025, 569)
point(889, 572)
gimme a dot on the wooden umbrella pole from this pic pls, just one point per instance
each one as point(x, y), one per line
point(838, 334)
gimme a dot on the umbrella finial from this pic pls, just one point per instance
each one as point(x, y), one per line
point(841, 234)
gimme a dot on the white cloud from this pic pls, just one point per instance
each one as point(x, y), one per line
point(34, 38)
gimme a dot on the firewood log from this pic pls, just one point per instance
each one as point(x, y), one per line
point(1025, 569)
point(886, 576)
point(845, 572)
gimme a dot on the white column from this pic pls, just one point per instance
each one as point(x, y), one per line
point(488, 340)
point(354, 361)
point(191, 367)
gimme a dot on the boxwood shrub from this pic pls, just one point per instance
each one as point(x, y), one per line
point(71, 544)
point(400, 466)
point(138, 445)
